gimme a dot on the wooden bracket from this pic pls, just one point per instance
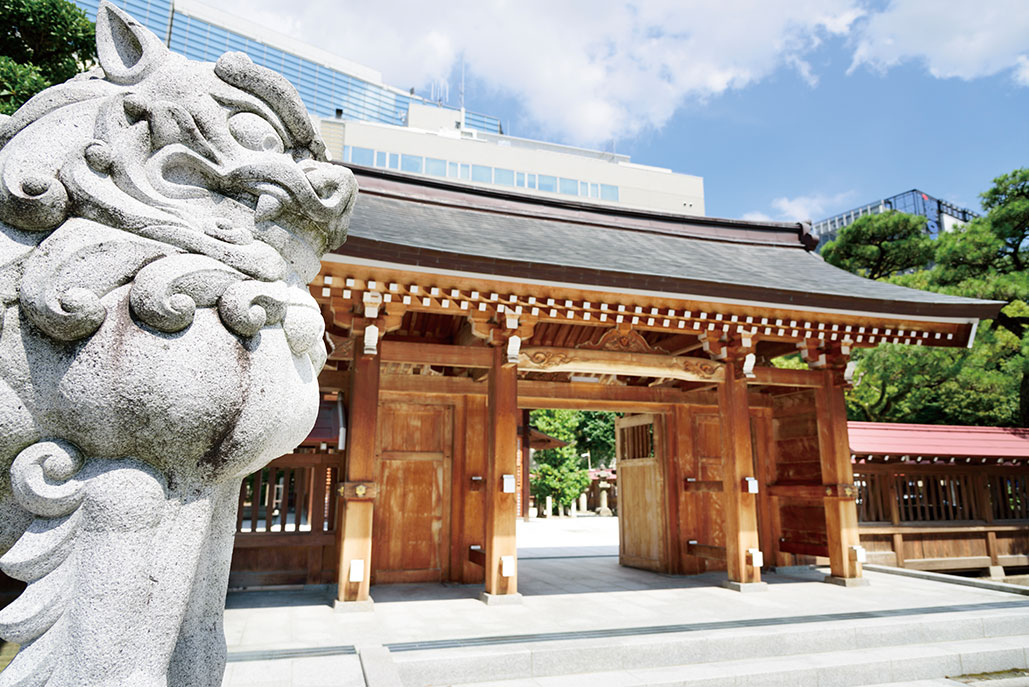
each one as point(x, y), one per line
point(476, 555)
point(694, 486)
point(737, 350)
point(358, 491)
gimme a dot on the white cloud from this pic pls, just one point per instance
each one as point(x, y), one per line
point(953, 38)
point(584, 71)
point(588, 72)
point(802, 208)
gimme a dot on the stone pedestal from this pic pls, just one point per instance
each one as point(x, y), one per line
point(746, 587)
point(500, 599)
point(846, 581)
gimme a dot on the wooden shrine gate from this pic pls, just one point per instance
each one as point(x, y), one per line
point(451, 310)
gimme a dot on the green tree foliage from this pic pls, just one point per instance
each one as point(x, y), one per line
point(42, 42)
point(877, 246)
point(987, 385)
point(596, 436)
point(560, 472)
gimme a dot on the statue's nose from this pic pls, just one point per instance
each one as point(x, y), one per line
point(332, 183)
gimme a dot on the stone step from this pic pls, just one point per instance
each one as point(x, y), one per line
point(567, 656)
point(921, 665)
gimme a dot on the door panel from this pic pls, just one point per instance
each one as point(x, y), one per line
point(411, 526)
point(641, 495)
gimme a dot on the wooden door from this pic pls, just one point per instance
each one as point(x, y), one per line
point(411, 528)
point(642, 516)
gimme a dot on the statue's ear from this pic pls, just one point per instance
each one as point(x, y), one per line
point(127, 51)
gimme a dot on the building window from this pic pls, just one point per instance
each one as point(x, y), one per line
point(452, 170)
point(608, 192)
point(547, 183)
point(483, 174)
point(594, 191)
point(435, 167)
point(520, 179)
point(394, 161)
point(569, 187)
point(411, 163)
point(531, 181)
point(584, 189)
point(504, 177)
point(380, 159)
point(346, 153)
point(466, 171)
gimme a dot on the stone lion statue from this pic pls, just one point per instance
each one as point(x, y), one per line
point(159, 222)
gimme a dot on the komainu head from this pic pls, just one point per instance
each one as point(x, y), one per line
point(188, 159)
point(160, 220)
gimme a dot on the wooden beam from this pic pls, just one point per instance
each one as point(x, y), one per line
point(533, 394)
point(813, 492)
point(740, 509)
point(774, 376)
point(435, 354)
point(334, 380)
point(501, 511)
point(716, 553)
point(356, 542)
point(693, 486)
point(841, 521)
point(801, 549)
point(543, 359)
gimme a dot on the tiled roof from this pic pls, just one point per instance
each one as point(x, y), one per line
point(896, 439)
point(417, 222)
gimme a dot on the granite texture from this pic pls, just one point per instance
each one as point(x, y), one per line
point(159, 222)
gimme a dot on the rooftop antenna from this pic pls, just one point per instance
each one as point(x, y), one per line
point(461, 93)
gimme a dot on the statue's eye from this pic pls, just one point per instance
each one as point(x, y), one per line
point(255, 133)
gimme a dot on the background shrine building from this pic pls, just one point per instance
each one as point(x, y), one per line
point(367, 122)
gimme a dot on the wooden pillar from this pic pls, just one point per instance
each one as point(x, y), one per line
point(356, 542)
point(501, 507)
point(841, 521)
point(526, 459)
point(741, 530)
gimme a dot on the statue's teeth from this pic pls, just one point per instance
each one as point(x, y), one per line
point(268, 208)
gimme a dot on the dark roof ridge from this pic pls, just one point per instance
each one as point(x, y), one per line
point(804, 238)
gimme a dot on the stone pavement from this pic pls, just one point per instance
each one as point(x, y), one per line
point(294, 638)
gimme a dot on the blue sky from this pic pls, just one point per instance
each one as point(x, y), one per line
point(789, 109)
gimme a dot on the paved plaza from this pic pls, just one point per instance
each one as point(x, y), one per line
point(573, 590)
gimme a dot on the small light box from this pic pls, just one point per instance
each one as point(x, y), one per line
point(757, 559)
point(507, 566)
point(509, 484)
point(858, 554)
point(750, 485)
